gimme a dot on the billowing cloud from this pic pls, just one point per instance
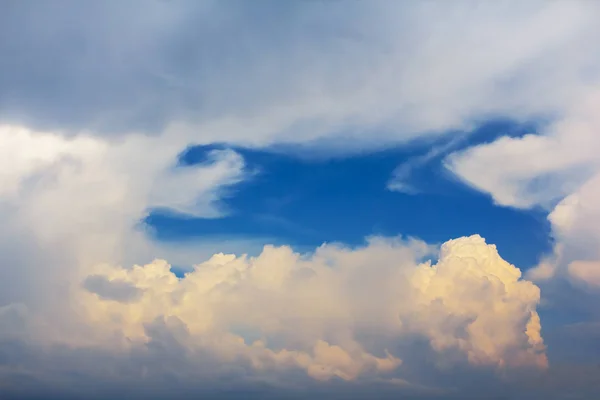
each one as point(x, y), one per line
point(336, 313)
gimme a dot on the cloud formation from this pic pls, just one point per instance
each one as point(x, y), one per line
point(558, 169)
point(275, 72)
point(78, 201)
point(92, 120)
point(336, 313)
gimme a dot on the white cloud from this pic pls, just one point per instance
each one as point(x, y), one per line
point(171, 188)
point(70, 203)
point(283, 312)
point(308, 312)
point(558, 169)
point(25, 154)
point(537, 169)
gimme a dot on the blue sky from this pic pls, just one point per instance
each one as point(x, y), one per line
point(299, 199)
point(305, 200)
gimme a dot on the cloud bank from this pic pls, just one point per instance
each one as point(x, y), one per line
point(336, 313)
point(275, 72)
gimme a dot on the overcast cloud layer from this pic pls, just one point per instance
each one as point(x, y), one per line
point(97, 99)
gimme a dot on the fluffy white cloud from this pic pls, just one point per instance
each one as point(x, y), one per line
point(336, 313)
point(558, 169)
point(283, 310)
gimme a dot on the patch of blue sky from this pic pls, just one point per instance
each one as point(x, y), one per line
point(306, 201)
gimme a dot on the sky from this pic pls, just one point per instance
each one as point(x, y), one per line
point(300, 199)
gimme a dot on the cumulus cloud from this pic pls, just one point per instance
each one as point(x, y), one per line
point(313, 308)
point(336, 313)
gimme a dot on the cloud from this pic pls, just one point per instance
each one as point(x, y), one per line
point(336, 313)
point(586, 271)
point(97, 101)
point(401, 177)
point(111, 290)
point(558, 169)
point(275, 72)
point(226, 168)
point(70, 202)
point(299, 299)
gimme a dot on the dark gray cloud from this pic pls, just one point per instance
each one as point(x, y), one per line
point(116, 67)
point(160, 371)
point(71, 64)
point(164, 368)
point(313, 68)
